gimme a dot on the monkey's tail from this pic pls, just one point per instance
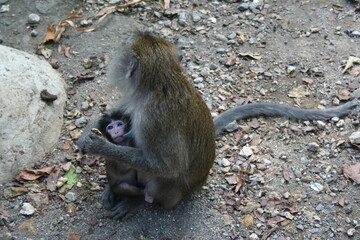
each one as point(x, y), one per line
point(279, 110)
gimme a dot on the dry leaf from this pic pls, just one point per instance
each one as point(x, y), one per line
point(232, 180)
point(352, 172)
point(250, 56)
point(165, 4)
point(341, 201)
point(31, 175)
point(344, 94)
point(248, 220)
point(240, 179)
point(66, 50)
point(52, 179)
point(298, 92)
point(308, 81)
point(228, 219)
point(350, 63)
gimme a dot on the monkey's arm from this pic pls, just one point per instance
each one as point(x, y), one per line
point(90, 143)
point(279, 110)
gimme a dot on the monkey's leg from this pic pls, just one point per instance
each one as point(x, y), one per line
point(125, 207)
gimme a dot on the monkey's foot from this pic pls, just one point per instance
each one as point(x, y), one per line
point(125, 207)
point(108, 198)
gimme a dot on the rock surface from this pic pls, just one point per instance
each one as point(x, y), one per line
point(30, 126)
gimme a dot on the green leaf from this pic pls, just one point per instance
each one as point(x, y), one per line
point(72, 179)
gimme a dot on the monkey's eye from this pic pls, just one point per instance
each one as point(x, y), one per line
point(110, 127)
point(119, 124)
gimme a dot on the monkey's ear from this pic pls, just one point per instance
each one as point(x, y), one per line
point(133, 68)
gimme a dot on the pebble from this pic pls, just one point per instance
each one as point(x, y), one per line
point(319, 207)
point(246, 152)
point(33, 33)
point(231, 127)
point(80, 122)
point(221, 50)
point(27, 209)
point(355, 138)
point(33, 18)
point(350, 232)
point(227, 78)
point(313, 147)
point(355, 33)
point(340, 123)
point(253, 236)
point(196, 17)
point(221, 37)
point(348, 210)
point(225, 162)
point(85, 106)
point(71, 196)
point(300, 227)
point(182, 20)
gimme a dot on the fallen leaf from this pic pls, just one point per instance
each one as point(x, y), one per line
point(74, 237)
point(298, 92)
point(30, 175)
point(344, 94)
point(341, 201)
point(52, 179)
point(308, 81)
point(72, 178)
point(250, 56)
point(248, 220)
point(228, 220)
point(66, 50)
point(275, 220)
point(165, 4)
point(240, 179)
point(232, 180)
point(286, 175)
point(350, 62)
point(352, 172)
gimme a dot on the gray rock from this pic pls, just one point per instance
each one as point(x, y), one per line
point(81, 122)
point(313, 147)
point(71, 196)
point(33, 18)
point(27, 209)
point(196, 17)
point(231, 127)
point(32, 125)
point(3, 1)
point(182, 19)
point(355, 138)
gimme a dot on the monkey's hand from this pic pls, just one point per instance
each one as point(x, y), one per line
point(91, 143)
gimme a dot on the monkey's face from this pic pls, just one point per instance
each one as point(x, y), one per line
point(116, 130)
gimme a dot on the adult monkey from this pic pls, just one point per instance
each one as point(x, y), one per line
point(172, 127)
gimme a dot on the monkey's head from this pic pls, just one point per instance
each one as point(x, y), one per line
point(144, 62)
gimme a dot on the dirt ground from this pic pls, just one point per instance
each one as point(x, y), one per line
point(290, 186)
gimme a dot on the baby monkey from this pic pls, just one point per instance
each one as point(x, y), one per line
point(123, 180)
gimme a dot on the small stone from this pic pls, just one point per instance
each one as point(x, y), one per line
point(350, 232)
point(340, 123)
point(182, 19)
point(221, 37)
point(33, 18)
point(355, 33)
point(225, 162)
point(221, 50)
point(355, 138)
point(33, 33)
point(196, 17)
point(300, 227)
point(243, 7)
point(71, 196)
point(348, 210)
point(313, 147)
point(205, 72)
point(80, 122)
point(253, 236)
point(319, 207)
point(231, 127)
point(246, 152)
point(85, 106)
point(27, 209)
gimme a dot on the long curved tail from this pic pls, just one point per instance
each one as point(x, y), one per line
point(279, 110)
